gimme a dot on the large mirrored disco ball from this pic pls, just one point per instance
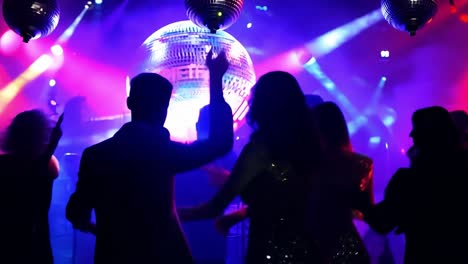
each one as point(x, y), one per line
point(31, 19)
point(409, 15)
point(178, 52)
point(214, 14)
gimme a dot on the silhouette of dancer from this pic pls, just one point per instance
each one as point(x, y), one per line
point(28, 170)
point(272, 174)
point(427, 202)
point(128, 179)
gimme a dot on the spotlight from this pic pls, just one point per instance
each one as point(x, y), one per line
point(384, 54)
point(57, 50)
point(374, 140)
point(249, 25)
point(98, 2)
point(384, 79)
point(52, 102)
point(52, 83)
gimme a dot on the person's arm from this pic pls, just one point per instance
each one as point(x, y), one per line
point(366, 184)
point(80, 205)
point(54, 168)
point(225, 222)
point(221, 135)
point(251, 162)
point(384, 217)
point(217, 176)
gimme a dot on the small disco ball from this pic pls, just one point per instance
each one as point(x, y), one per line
point(214, 15)
point(409, 15)
point(178, 52)
point(31, 19)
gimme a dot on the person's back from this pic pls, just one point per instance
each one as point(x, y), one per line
point(128, 179)
point(432, 213)
point(133, 197)
point(343, 173)
point(27, 173)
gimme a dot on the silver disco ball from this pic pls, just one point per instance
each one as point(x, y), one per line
point(178, 52)
point(409, 15)
point(214, 14)
point(31, 19)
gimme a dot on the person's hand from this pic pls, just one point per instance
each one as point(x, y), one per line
point(218, 66)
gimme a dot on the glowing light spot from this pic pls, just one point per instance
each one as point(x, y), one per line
point(9, 42)
point(52, 83)
point(464, 18)
point(249, 25)
point(374, 140)
point(57, 50)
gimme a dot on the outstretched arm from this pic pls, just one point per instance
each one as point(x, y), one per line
point(80, 205)
point(225, 222)
point(252, 161)
point(221, 135)
point(385, 216)
point(366, 185)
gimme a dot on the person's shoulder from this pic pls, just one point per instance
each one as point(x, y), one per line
point(399, 179)
point(105, 145)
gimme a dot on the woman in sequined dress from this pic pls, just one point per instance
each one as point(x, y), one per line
point(272, 175)
point(344, 176)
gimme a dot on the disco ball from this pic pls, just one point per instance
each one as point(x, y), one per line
point(409, 15)
point(214, 14)
point(178, 52)
point(31, 19)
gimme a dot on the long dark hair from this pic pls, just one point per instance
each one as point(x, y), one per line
point(332, 127)
point(28, 134)
point(279, 116)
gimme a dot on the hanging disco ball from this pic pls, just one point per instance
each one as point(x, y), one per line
point(178, 52)
point(31, 19)
point(214, 14)
point(409, 15)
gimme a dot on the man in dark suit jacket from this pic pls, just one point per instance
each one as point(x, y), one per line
point(128, 179)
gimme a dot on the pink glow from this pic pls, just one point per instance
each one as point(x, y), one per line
point(57, 50)
point(10, 42)
point(102, 85)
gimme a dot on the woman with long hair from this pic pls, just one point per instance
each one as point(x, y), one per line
point(272, 174)
point(27, 170)
point(343, 177)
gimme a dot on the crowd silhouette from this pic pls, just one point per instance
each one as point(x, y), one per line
point(300, 181)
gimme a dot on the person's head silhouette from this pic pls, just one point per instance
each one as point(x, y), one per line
point(28, 134)
point(280, 116)
point(149, 98)
point(313, 100)
point(277, 102)
point(434, 130)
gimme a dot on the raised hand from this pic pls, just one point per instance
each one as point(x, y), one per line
point(54, 138)
point(57, 131)
point(218, 66)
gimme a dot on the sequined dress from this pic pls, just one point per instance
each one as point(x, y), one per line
point(277, 229)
